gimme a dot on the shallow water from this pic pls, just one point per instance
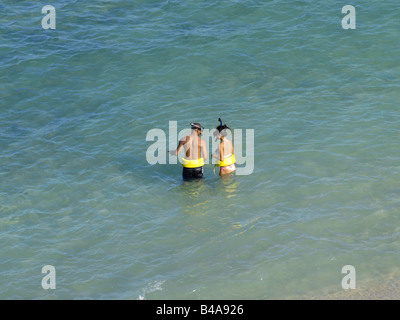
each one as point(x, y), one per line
point(76, 191)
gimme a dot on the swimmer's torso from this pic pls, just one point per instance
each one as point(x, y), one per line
point(227, 147)
point(192, 148)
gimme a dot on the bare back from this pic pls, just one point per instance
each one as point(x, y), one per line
point(192, 147)
point(225, 149)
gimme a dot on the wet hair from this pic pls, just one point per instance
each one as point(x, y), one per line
point(222, 128)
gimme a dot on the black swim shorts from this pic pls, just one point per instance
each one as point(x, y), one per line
point(192, 173)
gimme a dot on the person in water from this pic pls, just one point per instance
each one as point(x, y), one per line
point(225, 152)
point(196, 152)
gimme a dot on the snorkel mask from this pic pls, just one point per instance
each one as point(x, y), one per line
point(197, 126)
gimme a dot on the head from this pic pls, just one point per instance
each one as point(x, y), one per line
point(197, 127)
point(221, 130)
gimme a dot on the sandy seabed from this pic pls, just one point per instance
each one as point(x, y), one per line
point(385, 288)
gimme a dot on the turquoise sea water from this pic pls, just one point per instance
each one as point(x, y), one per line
point(76, 191)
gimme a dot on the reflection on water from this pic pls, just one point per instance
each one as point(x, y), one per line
point(193, 188)
point(204, 195)
point(198, 192)
point(230, 185)
point(195, 197)
point(209, 208)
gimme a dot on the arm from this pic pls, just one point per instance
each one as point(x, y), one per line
point(180, 146)
point(221, 151)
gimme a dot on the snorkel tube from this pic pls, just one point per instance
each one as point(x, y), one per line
point(220, 133)
point(219, 129)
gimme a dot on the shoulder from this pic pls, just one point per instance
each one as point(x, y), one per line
point(185, 139)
